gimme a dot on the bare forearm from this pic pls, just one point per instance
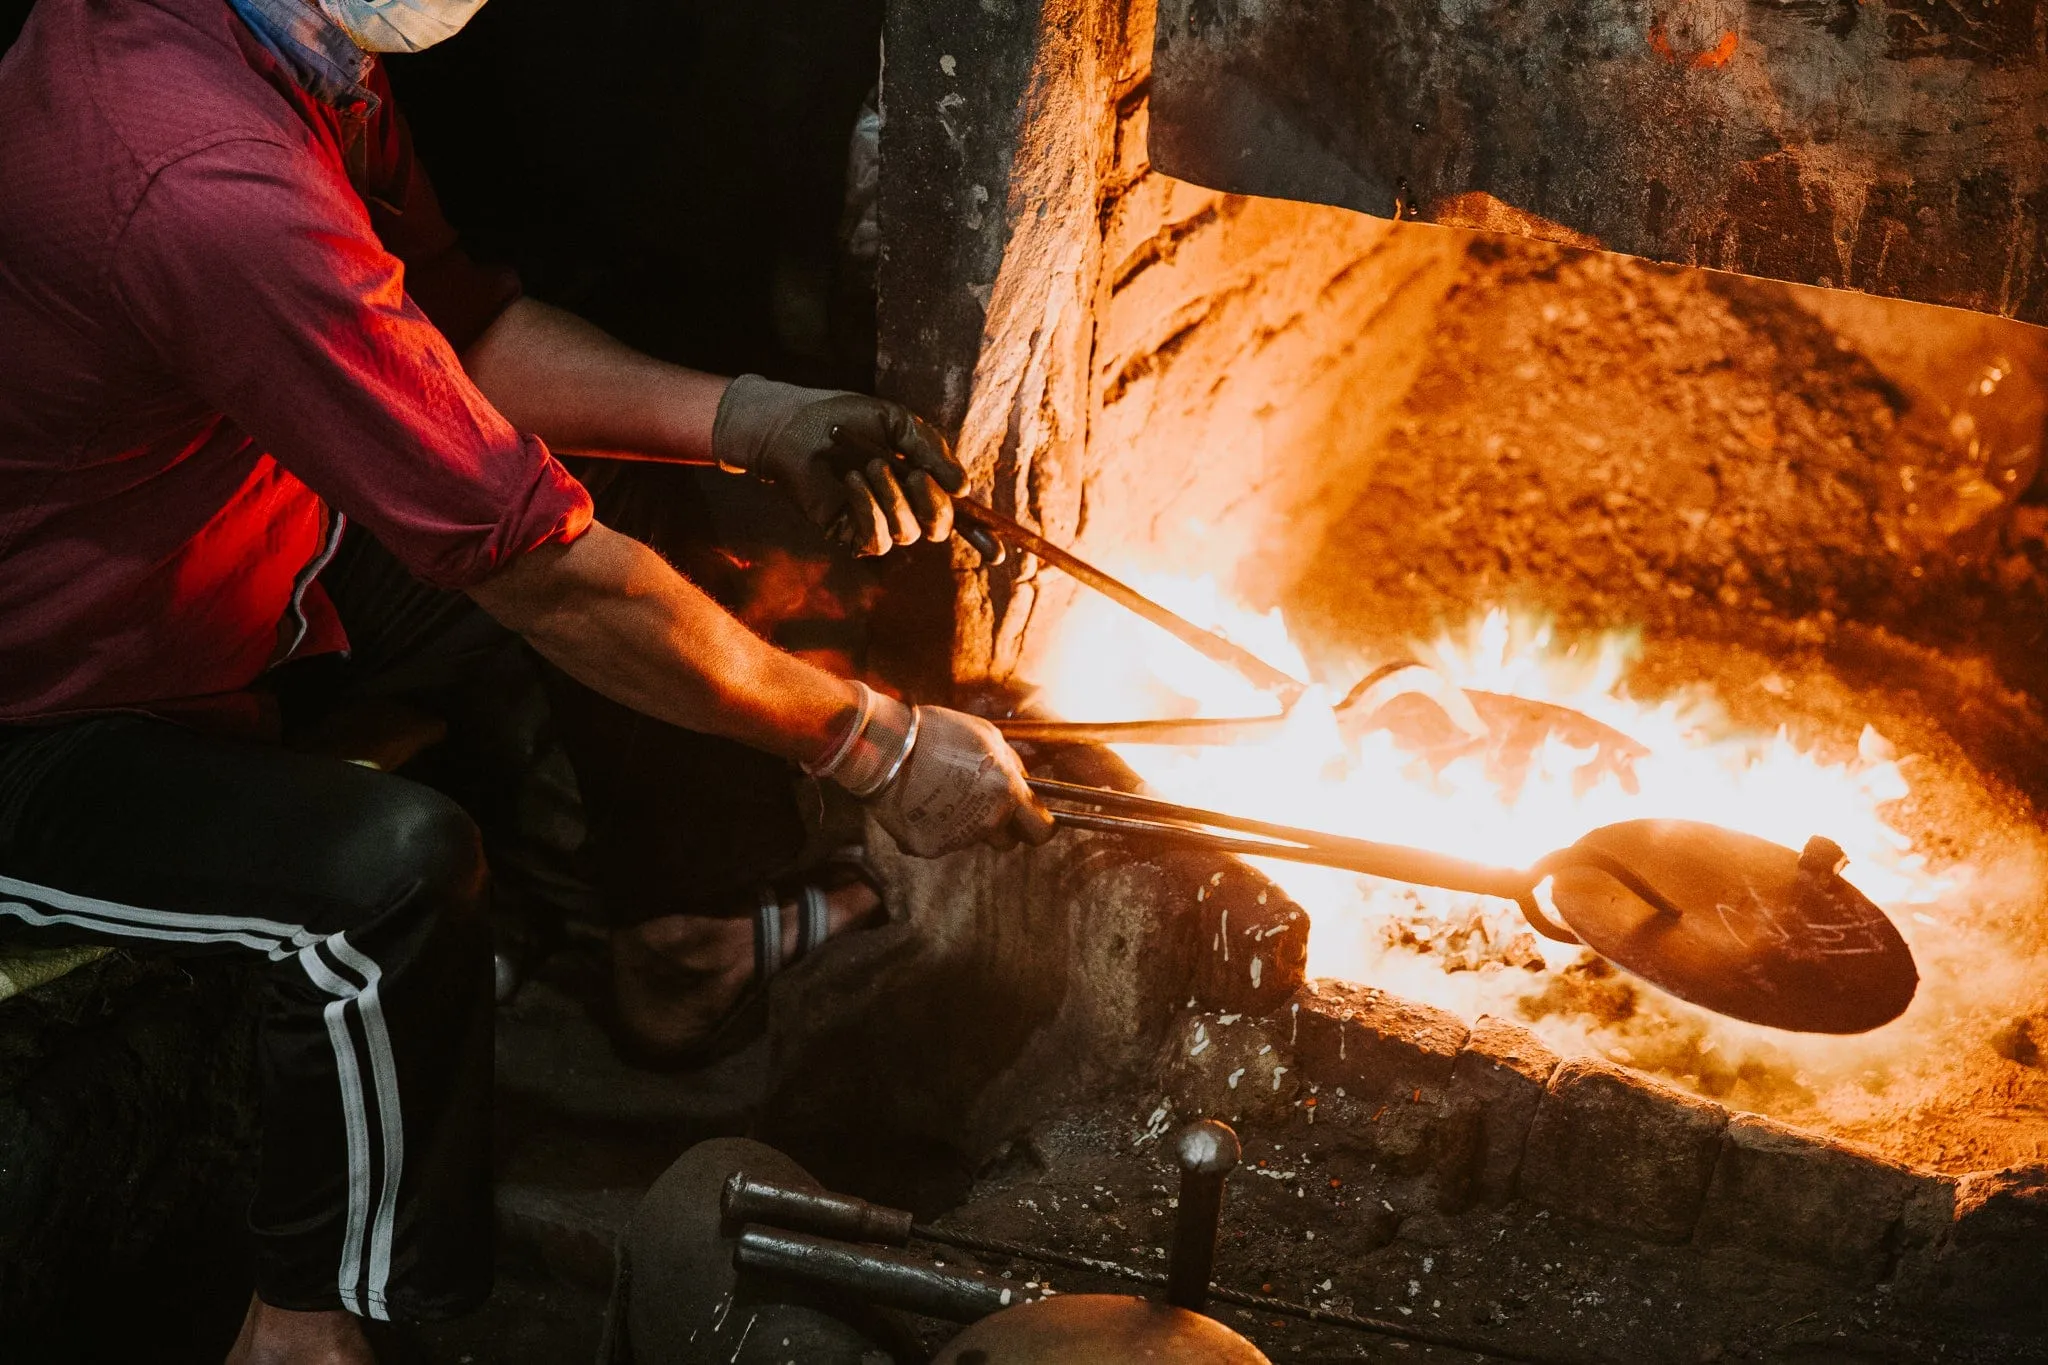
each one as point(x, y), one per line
point(612, 614)
point(557, 376)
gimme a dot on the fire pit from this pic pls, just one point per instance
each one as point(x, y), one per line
point(1968, 911)
point(1778, 537)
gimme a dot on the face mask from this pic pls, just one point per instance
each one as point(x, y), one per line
point(400, 25)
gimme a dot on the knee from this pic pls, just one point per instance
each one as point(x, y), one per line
point(415, 846)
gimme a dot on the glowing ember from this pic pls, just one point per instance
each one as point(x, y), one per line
point(1467, 953)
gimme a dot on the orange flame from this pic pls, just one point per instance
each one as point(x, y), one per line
point(1476, 956)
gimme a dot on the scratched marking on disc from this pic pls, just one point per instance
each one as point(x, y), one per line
point(1746, 931)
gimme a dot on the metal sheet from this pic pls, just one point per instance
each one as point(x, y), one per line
point(1747, 930)
point(1898, 147)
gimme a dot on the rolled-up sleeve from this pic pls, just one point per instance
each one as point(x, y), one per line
point(257, 279)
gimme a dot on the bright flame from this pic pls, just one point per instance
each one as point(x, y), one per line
point(1475, 955)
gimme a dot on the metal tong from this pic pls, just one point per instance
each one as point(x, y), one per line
point(1118, 812)
point(1208, 643)
point(838, 1240)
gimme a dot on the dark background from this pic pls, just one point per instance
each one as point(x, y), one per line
point(673, 170)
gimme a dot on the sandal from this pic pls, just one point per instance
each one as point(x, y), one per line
point(746, 1020)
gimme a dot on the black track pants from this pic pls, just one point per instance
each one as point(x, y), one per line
point(364, 893)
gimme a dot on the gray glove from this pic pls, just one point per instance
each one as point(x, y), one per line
point(937, 780)
point(871, 471)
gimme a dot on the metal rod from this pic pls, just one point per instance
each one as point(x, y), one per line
point(1366, 694)
point(1018, 1251)
point(1175, 822)
point(1378, 1326)
point(819, 1212)
point(1415, 866)
point(1208, 1151)
point(1208, 643)
point(1232, 730)
point(889, 1278)
point(1362, 703)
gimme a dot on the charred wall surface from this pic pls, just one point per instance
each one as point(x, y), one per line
point(1383, 428)
point(1895, 146)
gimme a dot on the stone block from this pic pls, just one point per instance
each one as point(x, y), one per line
point(1498, 1079)
point(1619, 1150)
point(1251, 941)
point(1380, 1066)
point(2003, 1206)
point(1375, 1045)
point(1798, 1195)
point(1991, 1262)
point(1230, 1067)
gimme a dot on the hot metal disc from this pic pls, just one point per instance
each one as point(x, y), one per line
point(1747, 928)
point(1098, 1329)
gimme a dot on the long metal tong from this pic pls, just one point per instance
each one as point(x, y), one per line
point(1124, 813)
point(1208, 643)
point(1189, 826)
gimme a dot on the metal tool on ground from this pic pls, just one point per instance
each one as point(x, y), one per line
point(1208, 1152)
point(827, 1239)
point(890, 1279)
point(1728, 921)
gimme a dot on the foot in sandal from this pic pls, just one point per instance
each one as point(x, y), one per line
point(689, 989)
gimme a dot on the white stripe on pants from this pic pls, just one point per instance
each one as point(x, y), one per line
point(278, 941)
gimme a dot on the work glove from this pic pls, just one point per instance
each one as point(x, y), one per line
point(870, 471)
point(937, 780)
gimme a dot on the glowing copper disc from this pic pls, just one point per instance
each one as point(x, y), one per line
point(1749, 928)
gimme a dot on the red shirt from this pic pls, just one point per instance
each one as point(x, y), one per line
point(211, 333)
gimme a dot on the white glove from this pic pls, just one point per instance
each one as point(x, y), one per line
point(937, 780)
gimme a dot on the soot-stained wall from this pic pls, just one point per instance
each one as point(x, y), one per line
point(1386, 427)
